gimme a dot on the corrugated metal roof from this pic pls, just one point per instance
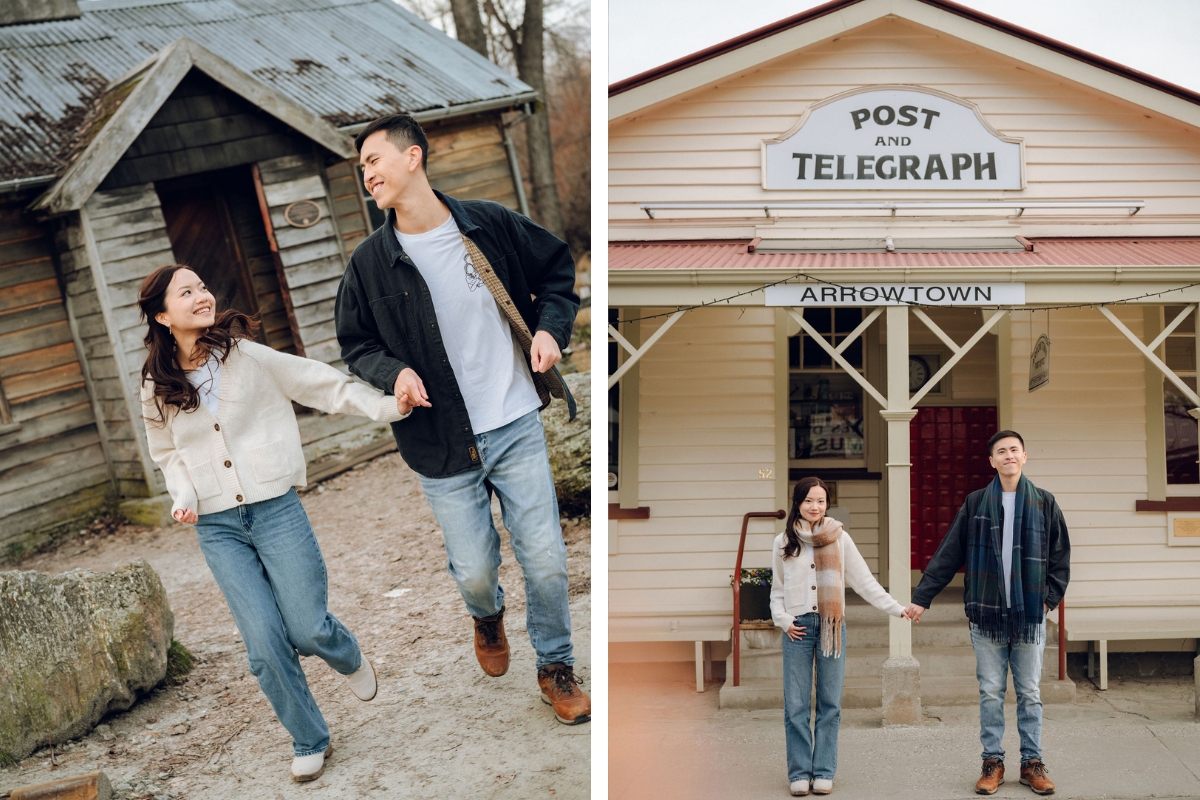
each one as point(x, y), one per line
point(347, 61)
point(1046, 252)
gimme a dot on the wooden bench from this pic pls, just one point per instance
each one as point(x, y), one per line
point(701, 635)
point(1106, 631)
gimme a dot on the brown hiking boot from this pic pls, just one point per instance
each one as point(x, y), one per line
point(491, 645)
point(561, 692)
point(991, 778)
point(1033, 775)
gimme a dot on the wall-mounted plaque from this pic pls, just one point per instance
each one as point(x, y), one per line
point(303, 214)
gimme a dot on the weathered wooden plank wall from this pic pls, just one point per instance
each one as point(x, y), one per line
point(108, 249)
point(467, 160)
point(314, 258)
point(52, 458)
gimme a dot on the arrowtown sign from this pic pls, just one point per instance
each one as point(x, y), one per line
point(897, 137)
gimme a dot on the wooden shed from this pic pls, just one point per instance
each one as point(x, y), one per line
point(136, 134)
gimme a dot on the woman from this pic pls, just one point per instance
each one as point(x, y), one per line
point(813, 560)
point(221, 428)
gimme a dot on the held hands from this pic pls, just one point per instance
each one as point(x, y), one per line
point(795, 632)
point(544, 352)
point(913, 612)
point(410, 391)
point(186, 515)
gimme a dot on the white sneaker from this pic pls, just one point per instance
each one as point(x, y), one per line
point(799, 788)
point(309, 768)
point(822, 786)
point(362, 682)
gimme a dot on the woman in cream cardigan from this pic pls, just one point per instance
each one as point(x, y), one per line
point(812, 562)
point(220, 426)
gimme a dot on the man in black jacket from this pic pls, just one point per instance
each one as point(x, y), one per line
point(461, 309)
point(1012, 538)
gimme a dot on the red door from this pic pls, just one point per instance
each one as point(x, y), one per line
point(949, 461)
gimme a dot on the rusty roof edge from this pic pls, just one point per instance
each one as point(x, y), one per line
point(88, 169)
point(462, 110)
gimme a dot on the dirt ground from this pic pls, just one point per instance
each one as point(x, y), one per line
point(438, 728)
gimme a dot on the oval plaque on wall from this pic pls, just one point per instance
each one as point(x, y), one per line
point(302, 214)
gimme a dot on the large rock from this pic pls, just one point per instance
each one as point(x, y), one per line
point(570, 445)
point(74, 647)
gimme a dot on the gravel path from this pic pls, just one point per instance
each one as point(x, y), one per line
point(438, 728)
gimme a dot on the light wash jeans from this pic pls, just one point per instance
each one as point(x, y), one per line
point(517, 467)
point(267, 562)
point(992, 662)
point(811, 753)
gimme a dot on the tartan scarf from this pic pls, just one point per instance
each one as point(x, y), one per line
point(831, 580)
point(985, 601)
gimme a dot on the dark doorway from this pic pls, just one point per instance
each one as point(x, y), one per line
point(215, 226)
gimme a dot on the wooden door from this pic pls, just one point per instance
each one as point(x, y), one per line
point(203, 237)
point(949, 461)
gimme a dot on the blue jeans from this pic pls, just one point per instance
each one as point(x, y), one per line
point(811, 753)
point(992, 662)
point(267, 562)
point(517, 467)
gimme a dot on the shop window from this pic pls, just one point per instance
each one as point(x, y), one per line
point(1179, 426)
point(825, 405)
point(614, 408)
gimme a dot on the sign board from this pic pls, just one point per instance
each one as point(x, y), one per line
point(893, 137)
point(896, 294)
point(1039, 363)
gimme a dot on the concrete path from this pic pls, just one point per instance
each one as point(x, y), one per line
point(1136, 740)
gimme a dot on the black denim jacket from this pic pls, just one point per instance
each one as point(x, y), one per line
point(385, 321)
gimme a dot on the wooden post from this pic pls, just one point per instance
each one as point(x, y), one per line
point(92, 786)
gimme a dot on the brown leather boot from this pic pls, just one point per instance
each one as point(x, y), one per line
point(561, 692)
point(1033, 775)
point(491, 645)
point(991, 778)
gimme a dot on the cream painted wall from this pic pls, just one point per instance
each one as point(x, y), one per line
point(1086, 438)
point(1079, 144)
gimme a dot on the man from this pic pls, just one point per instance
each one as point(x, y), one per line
point(461, 309)
point(1013, 540)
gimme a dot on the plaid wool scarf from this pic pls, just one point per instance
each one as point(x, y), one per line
point(831, 580)
point(985, 600)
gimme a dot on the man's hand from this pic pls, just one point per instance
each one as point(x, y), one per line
point(410, 391)
point(186, 515)
point(544, 352)
point(914, 612)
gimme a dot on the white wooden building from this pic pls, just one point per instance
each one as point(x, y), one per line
point(908, 146)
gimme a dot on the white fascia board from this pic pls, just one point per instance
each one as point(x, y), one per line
point(749, 57)
point(755, 55)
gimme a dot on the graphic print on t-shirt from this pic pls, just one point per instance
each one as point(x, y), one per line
point(473, 279)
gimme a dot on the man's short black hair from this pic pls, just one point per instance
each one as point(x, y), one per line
point(998, 435)
point(402, 131)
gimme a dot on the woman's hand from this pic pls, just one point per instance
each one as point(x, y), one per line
point(796, 632)
point(186, 515)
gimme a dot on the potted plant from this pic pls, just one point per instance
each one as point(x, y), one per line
point(756, 595)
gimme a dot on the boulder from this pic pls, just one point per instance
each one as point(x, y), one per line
point(74, 647)
point(570, 445)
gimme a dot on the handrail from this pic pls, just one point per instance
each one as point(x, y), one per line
point(737, 589)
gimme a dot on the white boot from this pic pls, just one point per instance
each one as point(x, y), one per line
point(309, 768)
point(822, 786)
point(362, 682)
point(799, 788)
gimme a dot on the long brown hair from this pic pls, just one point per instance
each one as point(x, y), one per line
point(794, 545)
point(171, 387)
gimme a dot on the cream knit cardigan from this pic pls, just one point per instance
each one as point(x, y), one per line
point(251, 450)
point(793, 581)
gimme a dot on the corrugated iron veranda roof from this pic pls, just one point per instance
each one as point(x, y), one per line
point(347, 61)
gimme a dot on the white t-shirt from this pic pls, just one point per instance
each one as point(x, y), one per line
point(488, 363)
point(207, 380)
point(1009, 501)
